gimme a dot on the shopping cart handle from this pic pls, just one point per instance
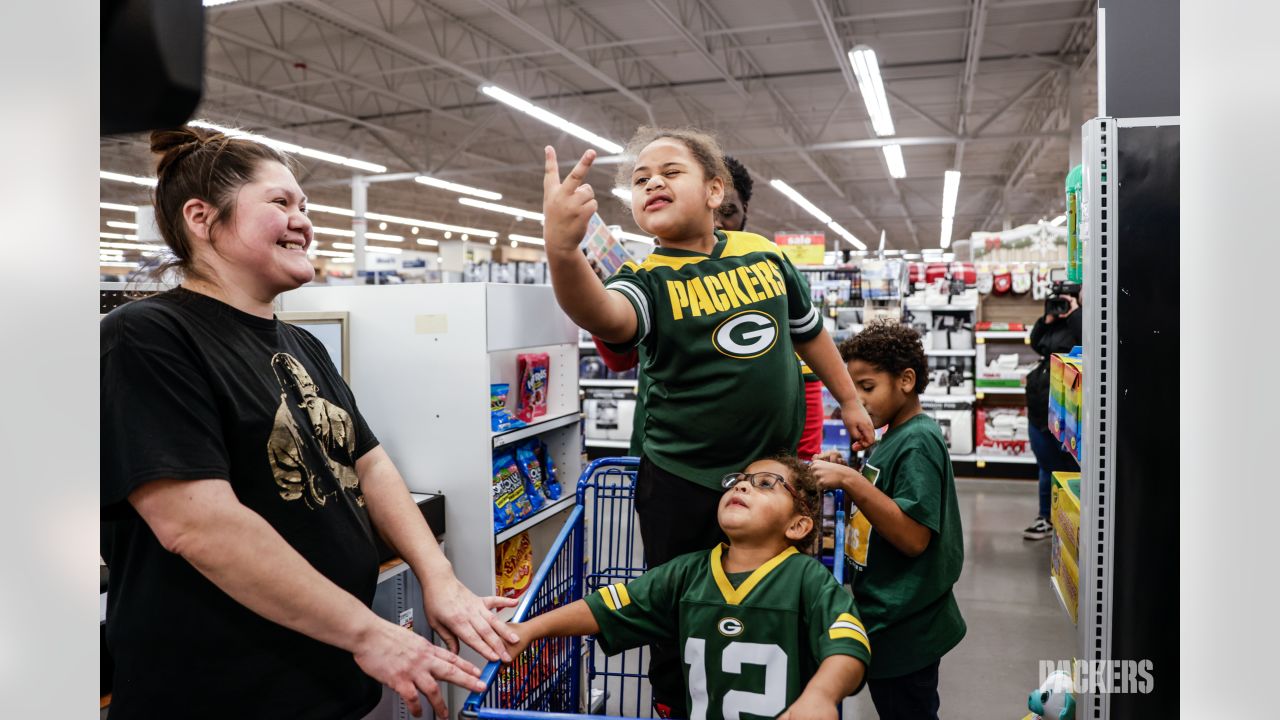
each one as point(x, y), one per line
point(505, 714)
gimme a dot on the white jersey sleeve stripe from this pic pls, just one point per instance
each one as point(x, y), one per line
point(641, 304)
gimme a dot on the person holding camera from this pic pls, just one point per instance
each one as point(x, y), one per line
point(1057, 332)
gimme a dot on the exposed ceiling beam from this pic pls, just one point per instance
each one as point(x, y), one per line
point(969, 78)
point(562, 51)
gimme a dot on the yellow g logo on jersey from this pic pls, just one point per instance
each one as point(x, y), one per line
point(746, 335)
point(730, 627)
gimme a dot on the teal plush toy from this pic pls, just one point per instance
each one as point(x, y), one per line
point(1053, 699)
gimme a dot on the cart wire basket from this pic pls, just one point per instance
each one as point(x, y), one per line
point(598, 546)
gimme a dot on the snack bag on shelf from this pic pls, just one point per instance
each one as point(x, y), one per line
point(500, 419)
point(510, 501)
point(534, 370)
point(535, 474)
point(514, 561)
point(549, 468)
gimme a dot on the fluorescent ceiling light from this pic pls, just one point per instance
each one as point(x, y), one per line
point(121, 177)
point(333, 253)
point(352, 233)
point(401, 220)
point(506, 209)
point(130, 246)
point(1054, 222)
point(867, 70)
point(117, 236)
point(368, 248)
point(122, 225)
point(893, 157)
point(425, 241)
point(111, 263)
point(800, 200)
point(946, 233)
point(216, 3)
point(882, 242)
point(839, 230)
point(950, 189)
point(458, 188)
point(292, 148)
point(118, 206)
point(623, 193)
point(550, 118)
point(527, 239)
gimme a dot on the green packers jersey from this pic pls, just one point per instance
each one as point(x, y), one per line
point(750, 641)
point(715, 334)
point(908, 603)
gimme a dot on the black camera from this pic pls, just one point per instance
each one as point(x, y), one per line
point(1057, 303)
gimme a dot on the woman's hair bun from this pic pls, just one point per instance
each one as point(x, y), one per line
point(172, 144)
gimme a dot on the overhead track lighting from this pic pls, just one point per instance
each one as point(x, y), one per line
point(505, 209)
point(292, 147)
point(457, 187)
point(118, 206)
point(950, 191)
point(121, 177)
point(893, 158)
point(817, 212)
point(527, 239)
point(867, 71)
point(444, 227)
point(368, 248)
point(550, 118)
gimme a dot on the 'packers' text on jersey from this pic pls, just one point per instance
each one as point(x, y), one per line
point(728, 290)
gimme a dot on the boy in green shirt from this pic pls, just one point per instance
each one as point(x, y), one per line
point(904, 537)
point(764, 631)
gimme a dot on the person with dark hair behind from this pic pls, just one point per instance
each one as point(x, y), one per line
point(903, 538)
point(1051, 334)
point(242, 490)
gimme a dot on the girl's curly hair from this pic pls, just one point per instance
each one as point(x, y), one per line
point(808, 499)
point(891, 347)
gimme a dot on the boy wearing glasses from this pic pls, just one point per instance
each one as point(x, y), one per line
point(764, 630)
point(904, 537)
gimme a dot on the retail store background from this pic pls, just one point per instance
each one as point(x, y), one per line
point(994, 90)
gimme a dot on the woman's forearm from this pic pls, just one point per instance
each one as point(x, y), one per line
point(238, 551)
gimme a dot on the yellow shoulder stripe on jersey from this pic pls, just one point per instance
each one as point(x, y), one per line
point(743, 243)
point(736, 596)
point(848, 627)
point(615, 596)
point(671, 261)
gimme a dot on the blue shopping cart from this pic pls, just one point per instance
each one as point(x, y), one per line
point(596, 547)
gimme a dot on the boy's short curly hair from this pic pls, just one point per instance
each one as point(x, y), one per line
point(808, 499)
point(741, 178)
point(891, 347)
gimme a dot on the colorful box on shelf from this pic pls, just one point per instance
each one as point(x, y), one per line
point(1066, 510)
point(1057, 420)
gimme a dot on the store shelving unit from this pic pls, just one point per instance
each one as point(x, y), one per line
point(424, 357)
point(1129, 575)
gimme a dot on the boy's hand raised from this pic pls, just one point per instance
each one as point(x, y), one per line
point(566, 206)
point(831, 476)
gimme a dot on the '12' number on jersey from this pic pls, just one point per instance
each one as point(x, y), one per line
point(769, 703)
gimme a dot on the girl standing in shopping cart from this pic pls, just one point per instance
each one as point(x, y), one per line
point(717, 318)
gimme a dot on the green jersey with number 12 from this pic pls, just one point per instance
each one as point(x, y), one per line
point(750, 642)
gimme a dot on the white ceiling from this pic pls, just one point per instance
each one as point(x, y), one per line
point(975, 84)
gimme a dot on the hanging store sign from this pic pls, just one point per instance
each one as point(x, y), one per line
point(802, 248)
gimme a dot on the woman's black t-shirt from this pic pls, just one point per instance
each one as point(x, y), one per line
point(194, 389)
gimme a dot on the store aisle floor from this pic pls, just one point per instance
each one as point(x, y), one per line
point(1014, 617)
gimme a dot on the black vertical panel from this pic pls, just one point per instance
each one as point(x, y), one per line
point(1142, 58)
point(1144, 619)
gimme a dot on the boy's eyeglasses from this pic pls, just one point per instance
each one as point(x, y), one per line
point(760, 480)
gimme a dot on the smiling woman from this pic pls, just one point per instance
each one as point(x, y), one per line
point(242, 490)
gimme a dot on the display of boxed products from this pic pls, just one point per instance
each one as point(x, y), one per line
point(1066, 510)
point(956, 422)
point(951, 332)
point(1073, 391)
point(1003, 372)
point(1003, 432)
point(609, 412)
point(950, 376)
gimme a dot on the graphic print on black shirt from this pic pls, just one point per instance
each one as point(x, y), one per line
point(330, 434)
